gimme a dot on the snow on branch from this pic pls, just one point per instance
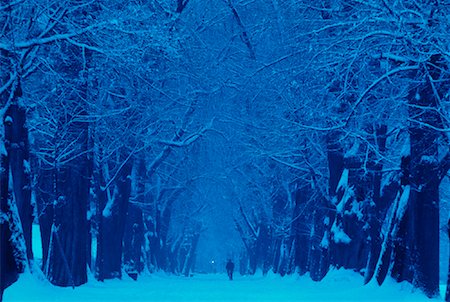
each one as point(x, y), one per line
point(8, 84)
point(189, 140)
point(248, 223)
point(444, 166)
point(339, 235)
point(181, 5)
point(119, 169)
point(50, 39)
point(85, 46)
point(373, 85)
point(11, 4)
point(288, 164)
point(244, 34)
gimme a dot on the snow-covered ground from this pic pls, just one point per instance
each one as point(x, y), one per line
point(337, 286)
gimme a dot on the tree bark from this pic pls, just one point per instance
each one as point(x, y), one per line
point(377, 209)
point(9, 271)
point(417, 260)
point(17, 146)
point(302, 225)
point(324, 215)
point(424, 200)
point(112, 226)
point(134, 228)
point(133, 241)
point(67, 265)
point(13, 252)
point(353, 199)
point(447, 292)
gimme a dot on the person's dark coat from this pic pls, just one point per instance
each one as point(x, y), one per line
point(230, 269)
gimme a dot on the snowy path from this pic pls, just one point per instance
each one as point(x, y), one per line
point(338, 286)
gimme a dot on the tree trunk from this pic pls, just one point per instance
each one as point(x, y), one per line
point(377, 210)
point(9, 271)
point(424, 200)
point(349, 234)
point(319, 260)
point(101, 198)
point(189, 260)
point(419, 261)
point(13, 250)
point(17, 146)
point(112, 226)
point(447, 292)
point(44, 200)
point(67, 265)
point(134, 228)
point(302, 224)
point(10, 263)
point(396, 224)
point(325, 214)
point(133, 241)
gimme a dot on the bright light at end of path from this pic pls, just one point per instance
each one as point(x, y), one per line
point(212, 261)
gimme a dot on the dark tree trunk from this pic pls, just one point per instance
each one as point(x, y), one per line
point(302, 229)
point(153, 252)
point(91, 223)
point(9, 271)
point(189, 259)
point(349, 234)
point(65, 226)
point(377, 210)
point(160, 238)
point(257, 248)
point(324, 215)
point(423, 208)
point(67, 265)
point(133, 241)
point(17, 146)
point(402, 268)
point(44, 201)
point(161, 256)
point(280, 256)
point(11, 263)
point(13, 251)
point(447, 292)
point(397, 225)
point(134, 230)
point(157, 231)
point(112, 227)
point(416, 247)
point(411, 246)
point(319, 260)
point(262, 246)
point(277, 261)
point(101, 198)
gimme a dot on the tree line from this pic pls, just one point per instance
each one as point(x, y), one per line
point(332, 118)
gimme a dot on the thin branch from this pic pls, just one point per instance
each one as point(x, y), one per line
point(374, 84)
point(245, 37)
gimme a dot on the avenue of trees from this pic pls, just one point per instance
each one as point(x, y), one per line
point(324, 124)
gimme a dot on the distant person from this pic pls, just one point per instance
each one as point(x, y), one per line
point(230, 269)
